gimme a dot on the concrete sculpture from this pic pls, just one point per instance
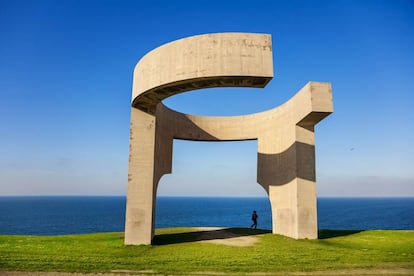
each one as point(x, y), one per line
point(285, 135)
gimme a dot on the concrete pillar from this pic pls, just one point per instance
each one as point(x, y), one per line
point(306, 184)
point(141, 193)
point(286, 169)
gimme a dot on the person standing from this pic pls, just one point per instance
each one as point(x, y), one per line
point(254, 219)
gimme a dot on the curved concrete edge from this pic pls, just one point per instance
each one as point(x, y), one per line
point(202, 61)
point(306, 108)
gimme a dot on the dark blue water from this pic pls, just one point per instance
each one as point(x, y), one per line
point(71, 215)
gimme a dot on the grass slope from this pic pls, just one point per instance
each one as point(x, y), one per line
point(179, 250)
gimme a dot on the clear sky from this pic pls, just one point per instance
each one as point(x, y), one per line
point(66, 77)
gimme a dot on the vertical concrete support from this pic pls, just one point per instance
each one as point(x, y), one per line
point(307, 226)
point(294, 209)
point(140, 195)
point(293, 194)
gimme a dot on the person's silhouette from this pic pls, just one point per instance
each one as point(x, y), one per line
point(254, 219)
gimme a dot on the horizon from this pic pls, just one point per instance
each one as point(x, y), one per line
point(225, 196)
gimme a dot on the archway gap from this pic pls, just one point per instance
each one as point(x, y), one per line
point(212, 184)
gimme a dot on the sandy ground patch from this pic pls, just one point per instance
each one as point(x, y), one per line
point(221, 236)
point(237, 241)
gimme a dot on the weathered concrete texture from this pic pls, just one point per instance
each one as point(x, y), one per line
point(211, 60)
point(140, 209)
point(286, 153)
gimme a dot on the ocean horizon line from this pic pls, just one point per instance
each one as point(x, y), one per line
point(48, 214)
point(207, 196)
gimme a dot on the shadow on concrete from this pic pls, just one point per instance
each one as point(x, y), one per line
point(205, 235)
point(326, 234)
point(281, 168)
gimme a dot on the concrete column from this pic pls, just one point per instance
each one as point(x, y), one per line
point(306, 183)
point(284, 202)
point(292, 193)
point(140, 195)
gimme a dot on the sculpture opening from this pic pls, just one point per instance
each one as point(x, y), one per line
point(226, 169)
point(209, 176)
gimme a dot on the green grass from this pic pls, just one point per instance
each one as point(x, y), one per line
point(179, 251)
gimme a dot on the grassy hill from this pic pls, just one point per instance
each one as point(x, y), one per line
point(192, 250)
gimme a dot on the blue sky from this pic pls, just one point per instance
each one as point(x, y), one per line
point(66, 77)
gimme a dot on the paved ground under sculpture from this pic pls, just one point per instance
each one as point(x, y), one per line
point(285, 135)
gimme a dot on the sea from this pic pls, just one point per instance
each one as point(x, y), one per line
point(61, 215)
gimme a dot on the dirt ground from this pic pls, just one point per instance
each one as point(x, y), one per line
point(225, 237)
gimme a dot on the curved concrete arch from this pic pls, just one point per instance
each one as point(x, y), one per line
point(286, 158)
point(202, 61)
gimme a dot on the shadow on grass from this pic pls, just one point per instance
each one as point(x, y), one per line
point(326, 234)
point(205, 235)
